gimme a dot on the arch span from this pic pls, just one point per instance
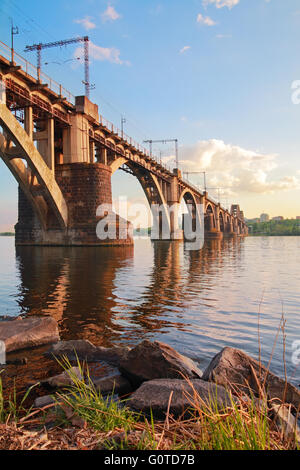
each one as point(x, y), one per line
point(209, 218)
point(35, 178)
point(152, 190)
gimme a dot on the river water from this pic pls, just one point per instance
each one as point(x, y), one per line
point(196, 301)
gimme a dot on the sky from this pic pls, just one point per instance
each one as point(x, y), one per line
point(215, 74)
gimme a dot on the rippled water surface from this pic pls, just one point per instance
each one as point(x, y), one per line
point(196, 301)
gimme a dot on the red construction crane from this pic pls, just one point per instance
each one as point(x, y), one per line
point(65, 42)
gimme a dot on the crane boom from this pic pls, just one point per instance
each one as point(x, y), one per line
point(64, 42)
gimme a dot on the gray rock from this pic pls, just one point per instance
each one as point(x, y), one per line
point(64, 379)
point(232, 368)
point(40, 402)
point(286, 422)
point(112, 355)
point(115, 383)
point(80, 347)
point(155, 360)
point(85, 350)
point(28, 332)
point(155, 394)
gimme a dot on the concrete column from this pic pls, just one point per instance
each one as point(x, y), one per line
point(50, 145)
point(176, 233)
point(76, 140)
point(211, 226)
point(92, 151)
point(174, 190)
point(28, 121)
point(45, 143)
point(104, 155)
point(218, 229)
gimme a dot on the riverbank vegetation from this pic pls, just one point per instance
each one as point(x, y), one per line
point(81, 418)
point(7, 234)
point(288, 227)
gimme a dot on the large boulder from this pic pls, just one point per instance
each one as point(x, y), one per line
point(154, 396)
point(28, 332)
point(85, 350)
point(113, 384)
point(156, 360)
point(234, 369)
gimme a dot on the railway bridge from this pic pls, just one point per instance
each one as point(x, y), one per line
point(63, 153)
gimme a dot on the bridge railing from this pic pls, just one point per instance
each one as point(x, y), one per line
point(130, 141)
point(31, 70)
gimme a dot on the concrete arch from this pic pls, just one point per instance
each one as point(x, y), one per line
point(109, 139)
point(36, 179)
point(149, 183)
point(43, 97)
point(209, 220)
point(193, 210)
point(121, 148)
point(115, 165)
point(184, 193)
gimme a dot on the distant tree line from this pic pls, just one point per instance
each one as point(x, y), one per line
point(275, 227)
point(7, 234)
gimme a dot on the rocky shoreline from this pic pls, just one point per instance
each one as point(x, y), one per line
point(154, 378)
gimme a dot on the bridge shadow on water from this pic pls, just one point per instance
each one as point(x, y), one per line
point(122, 294)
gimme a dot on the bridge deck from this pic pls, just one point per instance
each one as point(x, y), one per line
point(62, 103)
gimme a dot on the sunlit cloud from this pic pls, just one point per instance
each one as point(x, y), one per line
point(184, 49)
point(221, 3)
point(235, 168)
point(110, 14)
point(205, 20)
point(110, 54)
point(86, 22)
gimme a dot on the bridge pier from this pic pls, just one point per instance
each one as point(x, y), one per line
point(85, 187)
point(212, 229)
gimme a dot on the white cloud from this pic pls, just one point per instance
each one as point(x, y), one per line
point(184, 49)
point(221, 3)
point(206, 20)
point(236, 169)
point(86, 23)
point(110, 54)
point(110, 14)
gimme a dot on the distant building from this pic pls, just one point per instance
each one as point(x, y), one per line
point(278, 218)
point(264, 217)
point(253, 221)
point(298, 217)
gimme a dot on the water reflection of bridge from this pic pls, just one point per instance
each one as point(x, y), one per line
point(96, 294)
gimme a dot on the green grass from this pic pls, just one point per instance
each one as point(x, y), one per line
point(103, 414)
point(243, 426)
